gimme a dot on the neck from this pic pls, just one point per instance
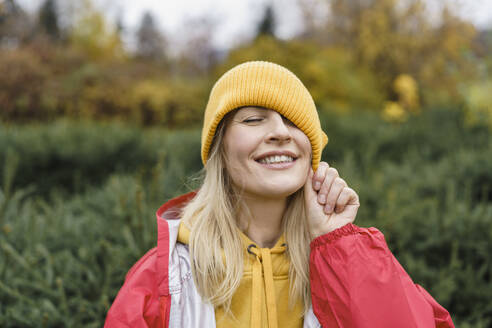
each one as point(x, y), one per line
point(263, 223)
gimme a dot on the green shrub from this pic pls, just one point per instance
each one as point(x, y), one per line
point(70, 155)
point(63, 260)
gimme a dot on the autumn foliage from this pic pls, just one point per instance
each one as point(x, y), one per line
point(376, 55)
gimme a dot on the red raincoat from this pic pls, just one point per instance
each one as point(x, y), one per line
point(355, 282)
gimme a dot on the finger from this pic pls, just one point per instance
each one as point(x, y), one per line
point(347, 196)
point(331, 175)
point(334, 193)
point(309, 193)
point(319, 176)
point(309, 180)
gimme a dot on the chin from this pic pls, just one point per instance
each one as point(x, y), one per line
point(276, 190)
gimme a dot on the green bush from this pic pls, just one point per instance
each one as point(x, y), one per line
point(63, 260)
point(70, 155)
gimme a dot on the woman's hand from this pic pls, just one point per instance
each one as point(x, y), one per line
point(330, 203)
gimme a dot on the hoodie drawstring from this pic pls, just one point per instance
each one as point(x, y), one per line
point(262, 266)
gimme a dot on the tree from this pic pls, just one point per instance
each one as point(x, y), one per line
point(394, 37)
point(15, 25)
point(120, 28)
point(196, 54)
point(92, 34)
point(48, 19)
point(267, 24)
point(151, 43)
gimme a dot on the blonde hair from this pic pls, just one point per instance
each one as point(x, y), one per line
point(215, 244)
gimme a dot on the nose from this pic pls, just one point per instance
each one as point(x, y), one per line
point(279, 129)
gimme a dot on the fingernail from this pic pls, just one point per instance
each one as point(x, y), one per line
point(328, 209)
point(317, 185)
point(322, 198)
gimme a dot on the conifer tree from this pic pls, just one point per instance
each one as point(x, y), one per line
point(150, 42)
point(48, 19)
point(267, 24)
point(15, 24)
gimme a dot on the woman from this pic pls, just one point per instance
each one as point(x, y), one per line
point(268, 239)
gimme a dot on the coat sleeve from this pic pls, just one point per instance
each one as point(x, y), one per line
point(137, 304)
point(357, 282)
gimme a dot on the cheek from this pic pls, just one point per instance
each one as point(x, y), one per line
point(304, 143)
point(305, 147)
point(237, 149)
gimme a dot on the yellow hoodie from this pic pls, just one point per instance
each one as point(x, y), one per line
point(262, 298)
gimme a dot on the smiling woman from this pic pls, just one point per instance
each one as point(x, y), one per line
point(268, 240)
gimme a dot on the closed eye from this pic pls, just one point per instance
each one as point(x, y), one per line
point(251, 120)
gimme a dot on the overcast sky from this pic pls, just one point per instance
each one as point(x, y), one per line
point(236, 20)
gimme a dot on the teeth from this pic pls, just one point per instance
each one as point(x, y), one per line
point(276, 159)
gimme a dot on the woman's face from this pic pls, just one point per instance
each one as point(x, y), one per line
point(266, 154)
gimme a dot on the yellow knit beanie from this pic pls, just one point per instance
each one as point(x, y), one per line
point(267, 85)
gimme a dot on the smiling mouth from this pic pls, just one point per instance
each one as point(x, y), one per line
point(276, 159)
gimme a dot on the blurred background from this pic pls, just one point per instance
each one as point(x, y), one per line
point(101, 105)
